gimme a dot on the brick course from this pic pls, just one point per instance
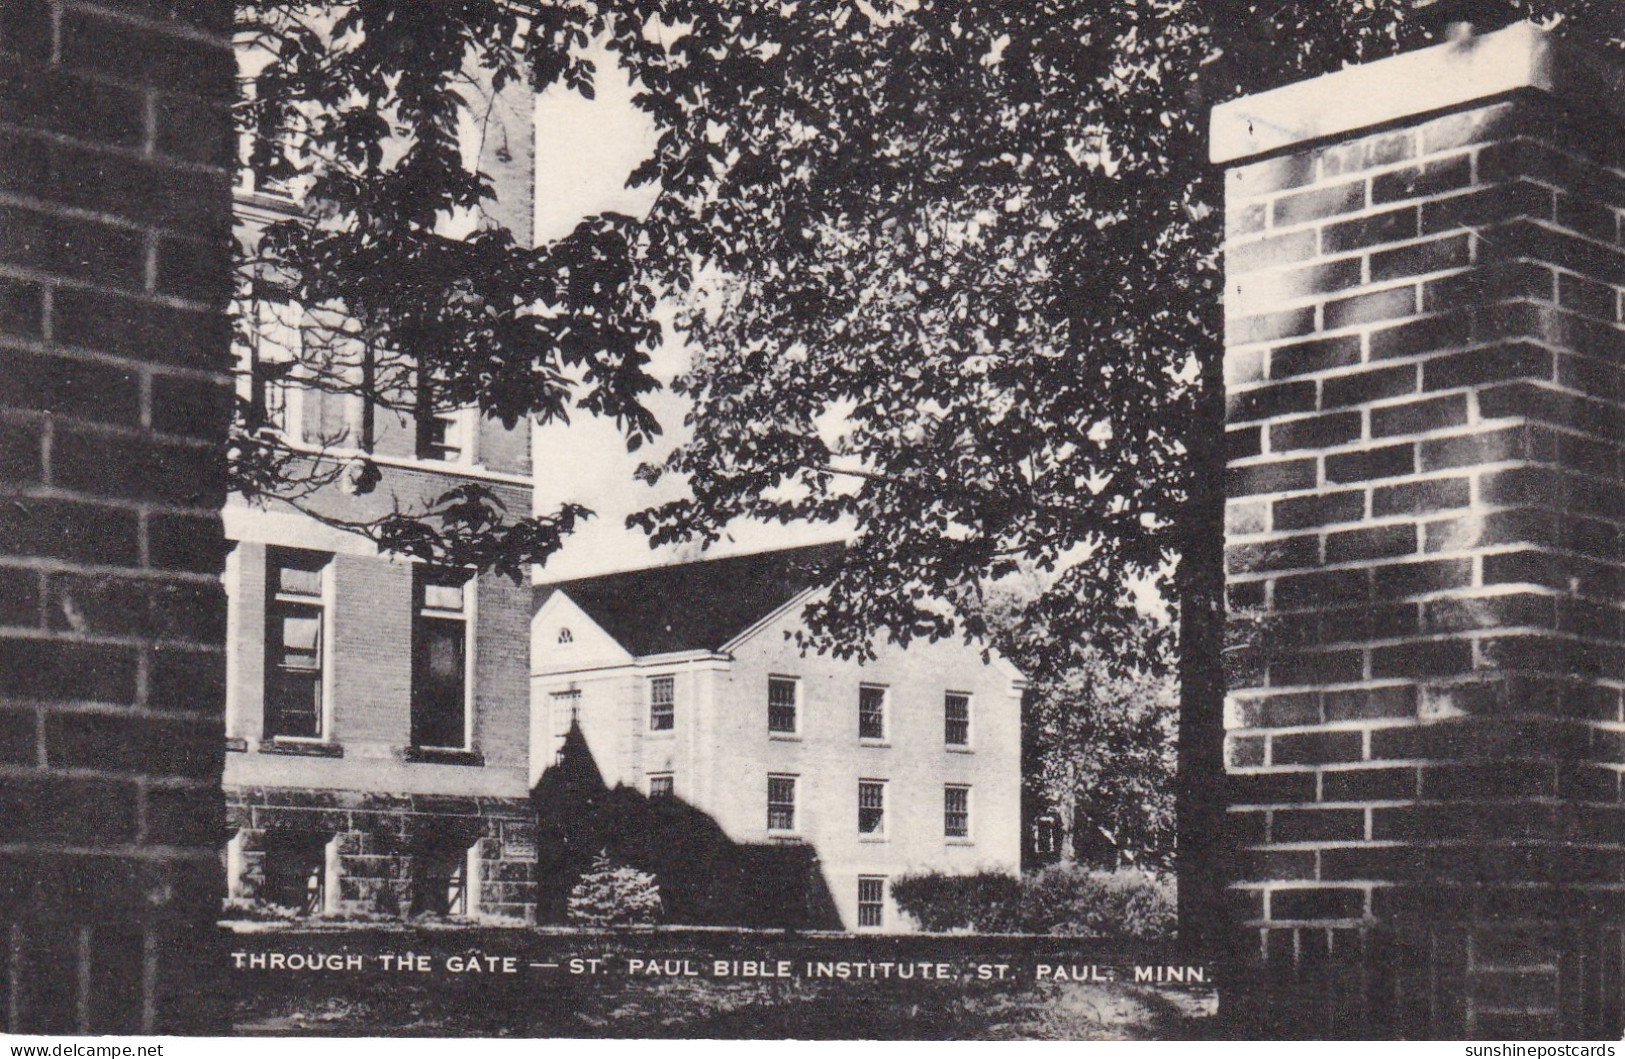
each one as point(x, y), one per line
point(113, 417)
point(1424, 521)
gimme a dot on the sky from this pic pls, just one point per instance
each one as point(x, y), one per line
point(584, 151)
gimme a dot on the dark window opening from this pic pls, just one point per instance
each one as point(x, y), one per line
point(660, 786)
point(440, 661)
point(440, 879)
point(296, 871)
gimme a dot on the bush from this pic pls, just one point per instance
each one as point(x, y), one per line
point(1064, 899)
point(1075, 902)
point(984, 903)
point(609, 895)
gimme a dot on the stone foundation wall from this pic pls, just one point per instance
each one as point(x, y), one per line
point(378, 839)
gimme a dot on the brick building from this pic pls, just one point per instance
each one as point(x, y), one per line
point(686, 687)
point(1423, 327)
point(377, 714)
point(114, 407)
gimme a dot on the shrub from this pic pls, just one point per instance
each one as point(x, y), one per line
point(1073, 901)
point(1068, 900)
point(984, 903)
point(256, 910)
point(610, 895)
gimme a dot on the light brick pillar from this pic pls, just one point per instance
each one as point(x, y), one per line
point(1425, 376)
point(115, 167)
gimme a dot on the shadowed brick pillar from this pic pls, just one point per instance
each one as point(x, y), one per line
point(115, 156)
point(1424, 268)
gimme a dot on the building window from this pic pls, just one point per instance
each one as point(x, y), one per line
point(782, 695)
point(871, 807)
point(871, 712)
point(565, 713)
point(662, 704)
point(440, 879)
point(781, 803)
point(294, 623)
point(660, 785)
point(444, 434)
point(956, 719)
point(440, 660)
point(956, 811)
point(275, 344)
point(566, 636)
point(1046, 835)
point(871, 900)
point(296, 871)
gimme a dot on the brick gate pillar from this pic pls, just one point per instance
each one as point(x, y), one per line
point(116, 154)
point(1426, 372)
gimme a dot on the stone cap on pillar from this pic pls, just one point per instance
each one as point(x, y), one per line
point(1522, 57)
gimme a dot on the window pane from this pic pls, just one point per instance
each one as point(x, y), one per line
point(293, 671)
point(781, 705)
point(439, 679)
point(443, 597)
point(956, 811)
point(956, 719)
point(441, 437)
point(871, 807)
point(871, 900)
point(871, 713)
point(301, 639)
point(781, 803)
point(662, 703)
point(298, 577)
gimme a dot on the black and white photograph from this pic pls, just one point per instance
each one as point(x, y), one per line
point(812, 520)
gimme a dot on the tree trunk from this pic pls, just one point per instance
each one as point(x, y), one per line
point(1199, 582)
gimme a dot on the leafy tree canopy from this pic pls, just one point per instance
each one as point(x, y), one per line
point(949, 267)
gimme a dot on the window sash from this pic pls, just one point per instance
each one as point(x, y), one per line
point(297, 578)
point(440, 682)
point(450, 598)
point(660, 786)
point(871, 807)
point(781, 803)
point(662, 704)
point(871, 900)
point(871, 713)
point(781, 704)
point(956, 719)
point(956, 812)
point(293, 670)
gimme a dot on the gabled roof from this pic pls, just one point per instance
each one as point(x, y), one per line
point(696, 606)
